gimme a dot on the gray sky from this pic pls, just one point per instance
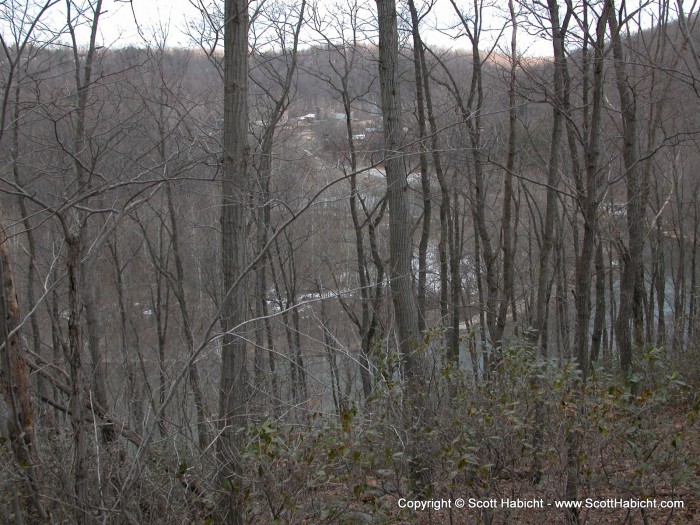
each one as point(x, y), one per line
point(118, 27)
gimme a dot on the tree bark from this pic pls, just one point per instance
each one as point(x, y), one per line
point(553, 176)
point(423, 159)
point(400, 245)
point(630, 152)
point(234, 231)
point(15, 390)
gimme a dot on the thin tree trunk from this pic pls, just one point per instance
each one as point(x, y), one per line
point(587, 197)
point(280, 103)
point(423, 158)
point(179, 289)
point(507, 216)
point(135, 399)
point(29, 232)
point(632, 254)
point(81, 482)
point(98, 383)
point(15, 389)
point(450, 281)
point(599, 320)
point(541, 310)
point(78, 268)
point(660, 284)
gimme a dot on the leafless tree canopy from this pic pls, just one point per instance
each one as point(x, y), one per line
point(314, 265)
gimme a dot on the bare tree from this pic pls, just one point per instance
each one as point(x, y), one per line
point(273, 76)
point(400, 245)
point(234, 231)
point(631, 255)
point(338, 67)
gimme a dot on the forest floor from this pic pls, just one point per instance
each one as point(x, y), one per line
point(617, 481)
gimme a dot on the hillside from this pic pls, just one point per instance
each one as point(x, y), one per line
point(334, 275)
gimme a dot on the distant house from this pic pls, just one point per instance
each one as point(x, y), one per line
point(614, 209)
point(309, 117)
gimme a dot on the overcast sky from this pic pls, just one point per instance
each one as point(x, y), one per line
point(118, 26)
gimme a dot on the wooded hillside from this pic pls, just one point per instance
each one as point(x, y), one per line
point(312, 267)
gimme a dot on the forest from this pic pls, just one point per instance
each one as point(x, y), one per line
point(312, 268)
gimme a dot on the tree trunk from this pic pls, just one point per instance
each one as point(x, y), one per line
point(630, 152)
point(423, 159)
point(81, 482)
point(179, 289)
point(599, 320)
point(541, 310)
point(507, 240)
point(15, 390)
point(234, 231)
point(400, 245)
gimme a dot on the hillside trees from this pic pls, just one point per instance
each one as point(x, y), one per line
point(173, 217)
point(341, 60)
point(631, 254)
point(473, 114)
point(83, 186)
point(450, 282)
point(273, 76)
point(474, 108)
point(16, 407)
point(72, 176)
